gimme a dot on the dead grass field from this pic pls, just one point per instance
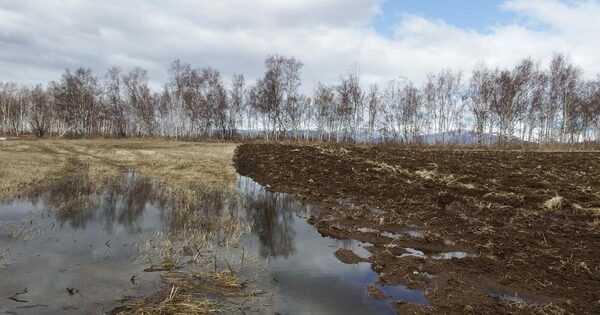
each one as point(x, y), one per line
point(191, 177)
point(26, 164)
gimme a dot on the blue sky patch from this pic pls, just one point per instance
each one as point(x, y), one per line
point(479, 15)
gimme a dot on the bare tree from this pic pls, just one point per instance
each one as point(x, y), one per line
point(402, 111)
point(509, 97)
point(443, 99)
point(277, 91)
point(166, 112)
point(411, 113)
point(356, 101)
point(141, 101)
point(12, 108)
point(564, 84)
point(217, 99)
point(373, 110)
point(525, 103)
point(481, 88)
point(325, 111)
point(40, 111)
point(537, 111)
point(349, 106)
point(590, 109)
point(75, 99)
point(115, 104)
point(236, 105)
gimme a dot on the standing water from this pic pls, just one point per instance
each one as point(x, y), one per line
point(71, 247)
point(302, 265)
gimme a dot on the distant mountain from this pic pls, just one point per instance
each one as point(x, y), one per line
point(466, 138)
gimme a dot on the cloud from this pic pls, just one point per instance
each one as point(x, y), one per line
point(573, 25)
point(40, 39)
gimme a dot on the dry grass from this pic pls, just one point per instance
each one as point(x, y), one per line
point(185, 253)
point(196, 182)
point(167, 301)
point(176, 164)
point(187, 293)
point(25, 166)
point(556, 203)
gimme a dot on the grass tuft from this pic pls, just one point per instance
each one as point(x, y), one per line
point(556, 203)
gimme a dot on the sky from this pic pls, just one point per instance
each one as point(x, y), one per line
point(383, 39)
point(468, 14)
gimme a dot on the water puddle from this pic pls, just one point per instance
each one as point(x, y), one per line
point(310, 279)
point(411, 252)
point(415, 233)
point(367, 230)
point(390, 235)
point(450, 255)
point(378, 232)
point(448, 242)
point(72, 247)
point(511, 298)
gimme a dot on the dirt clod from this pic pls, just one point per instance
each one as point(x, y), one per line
point(348, 256)
point(376, 292)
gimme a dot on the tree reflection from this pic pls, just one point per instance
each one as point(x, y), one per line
point(124, 201)
point(77, 200)
point(272, 216)
point(71, 199)
point(137, 191)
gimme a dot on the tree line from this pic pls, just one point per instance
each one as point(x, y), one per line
point(529, 103)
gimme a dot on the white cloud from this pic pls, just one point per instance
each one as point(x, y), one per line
point(38, 39)
point(572, 25)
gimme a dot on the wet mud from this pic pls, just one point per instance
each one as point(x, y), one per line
point(478, 231)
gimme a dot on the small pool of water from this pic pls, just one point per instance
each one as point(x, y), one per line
point(411, 252)
point(68, 235)
point(511, 298)
point(309, 278)
point(71, 247)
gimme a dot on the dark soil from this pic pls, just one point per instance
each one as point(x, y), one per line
point(347, 256)
point(375, 292)
point(530, 221)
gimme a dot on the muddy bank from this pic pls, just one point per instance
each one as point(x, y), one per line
point(479, 231)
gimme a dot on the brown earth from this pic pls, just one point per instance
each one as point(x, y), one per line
point(347, 256)
point(528, 222)
point(375, 292)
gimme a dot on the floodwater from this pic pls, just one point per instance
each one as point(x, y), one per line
point(71, 236)
point(309, 278)
point(72, 247)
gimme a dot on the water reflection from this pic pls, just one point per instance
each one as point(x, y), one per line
point(89, 235)
point(310, 279)
point(272, 216)
point(76, 201)
point(121, 204)
point(74, 233)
